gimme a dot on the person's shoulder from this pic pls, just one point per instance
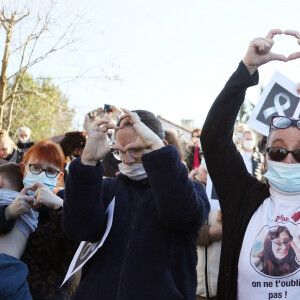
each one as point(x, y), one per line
point(30, 144)
point(8, 195)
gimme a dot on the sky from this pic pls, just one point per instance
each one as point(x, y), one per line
point(170, 57)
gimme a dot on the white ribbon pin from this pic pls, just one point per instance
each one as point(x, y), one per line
point(277, 106)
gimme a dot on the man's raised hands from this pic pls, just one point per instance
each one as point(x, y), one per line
point(96, 147)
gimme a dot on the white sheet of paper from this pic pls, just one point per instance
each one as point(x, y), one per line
point(86, 249)
point(289, 107)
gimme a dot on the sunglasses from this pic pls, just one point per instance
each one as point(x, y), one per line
point(279, 154)
point(281, 122)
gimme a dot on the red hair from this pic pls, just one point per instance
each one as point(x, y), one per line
point(48, 151)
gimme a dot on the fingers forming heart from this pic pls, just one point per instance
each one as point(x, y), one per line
point(273, 32)
point(269, 42)
point(295, 34)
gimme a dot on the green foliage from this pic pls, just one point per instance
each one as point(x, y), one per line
point(41, 106)
point(245, 112)
point(246, 109)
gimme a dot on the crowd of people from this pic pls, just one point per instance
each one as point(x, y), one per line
point(165, 243)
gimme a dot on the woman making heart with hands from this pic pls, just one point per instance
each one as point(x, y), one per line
point(257, 244)
point(158, 212)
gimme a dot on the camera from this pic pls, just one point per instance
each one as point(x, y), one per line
point(107, 108)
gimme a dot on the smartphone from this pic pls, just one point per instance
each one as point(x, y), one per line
point(107, 108)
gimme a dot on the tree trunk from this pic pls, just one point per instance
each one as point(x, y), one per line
point(12, 102)
point(9, 27)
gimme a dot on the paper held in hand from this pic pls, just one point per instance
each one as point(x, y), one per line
point(279, 97)
point(212, 195)
point(86, 249)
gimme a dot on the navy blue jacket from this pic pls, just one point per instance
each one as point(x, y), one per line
point(150, 252)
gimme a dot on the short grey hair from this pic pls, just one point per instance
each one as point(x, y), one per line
point(25, 129)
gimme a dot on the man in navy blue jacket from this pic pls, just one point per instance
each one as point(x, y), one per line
point(150, 252)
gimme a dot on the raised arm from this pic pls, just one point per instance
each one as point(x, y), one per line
point(182, 204)
point(224, 163)
point(84, 209)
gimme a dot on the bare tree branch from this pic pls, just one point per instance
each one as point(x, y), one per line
point(23, 38)
point(27, 93)
point(31, 37)
point(43, 56)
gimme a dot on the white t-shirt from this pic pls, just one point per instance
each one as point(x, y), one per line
point(247, 157)
point(268, 265)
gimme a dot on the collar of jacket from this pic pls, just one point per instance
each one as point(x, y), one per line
point(144, 183)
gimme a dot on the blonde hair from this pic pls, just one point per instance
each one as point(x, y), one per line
point(172, 139)
point(5, 137)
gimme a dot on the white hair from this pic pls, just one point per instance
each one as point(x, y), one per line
point(25, 129)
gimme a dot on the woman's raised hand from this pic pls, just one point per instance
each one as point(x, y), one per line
point(146, 137)
point(295, 34)
point(259, 51)
point(96, 147)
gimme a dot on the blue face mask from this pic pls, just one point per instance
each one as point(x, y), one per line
point(285, 177)
point(30, 179)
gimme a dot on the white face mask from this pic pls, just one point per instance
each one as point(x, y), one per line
point(24, 141)
point(249, 145)
point(239, 135)
point(135, 172)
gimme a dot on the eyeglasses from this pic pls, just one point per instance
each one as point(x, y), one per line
point(35, 169)
point(280, 244)
point(135, 153)
point(279, 154)
point(282, 122)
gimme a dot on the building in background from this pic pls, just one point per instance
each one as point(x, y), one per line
point(181, 131)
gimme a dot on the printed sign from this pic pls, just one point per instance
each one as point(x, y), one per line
point(86, 249)
point(211, 194)
point(279, 97)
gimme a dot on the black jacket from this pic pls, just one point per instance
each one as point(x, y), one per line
point(239, 193)
point(25, 147)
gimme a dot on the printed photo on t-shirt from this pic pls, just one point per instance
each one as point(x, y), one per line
point(276, 251)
